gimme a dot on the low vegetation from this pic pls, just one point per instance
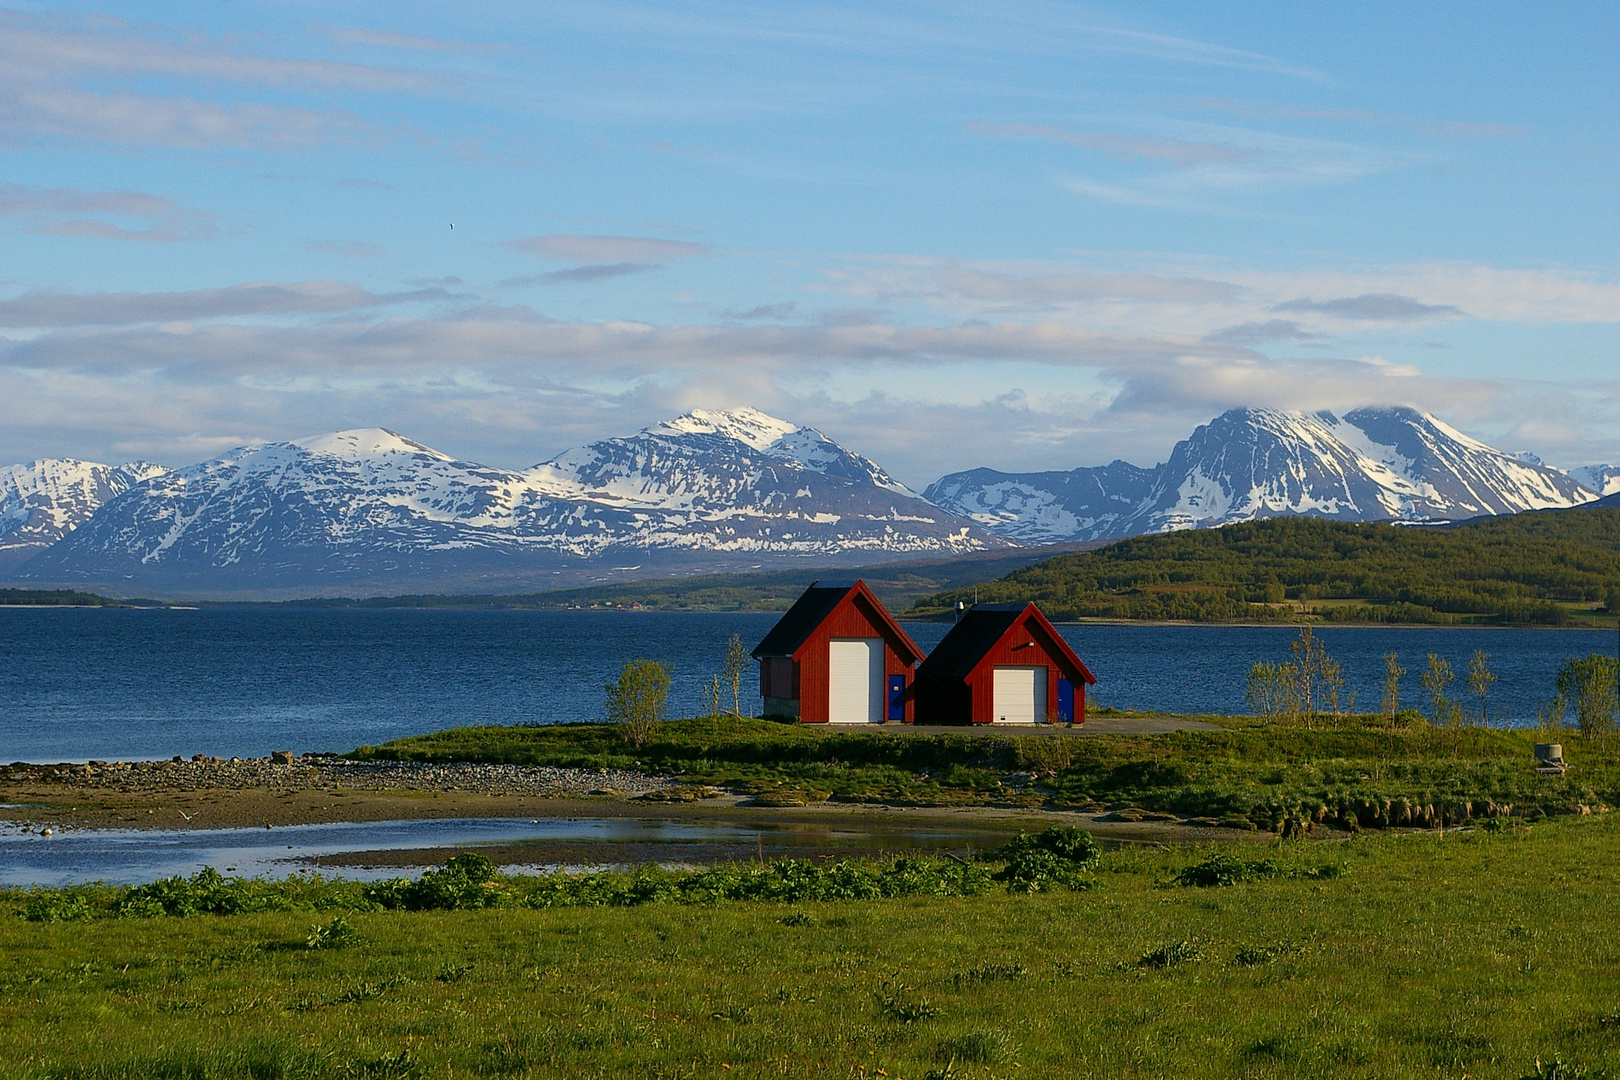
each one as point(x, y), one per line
point(1481, 953)
point(1547, 568)
point(1359, 771)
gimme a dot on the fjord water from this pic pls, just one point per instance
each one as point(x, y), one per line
point(79, 684)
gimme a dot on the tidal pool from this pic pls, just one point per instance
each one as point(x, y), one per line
point(379, 849)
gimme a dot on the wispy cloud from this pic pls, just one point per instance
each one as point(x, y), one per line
point(1373, 307)
point(598, 247)
point(89, 78)
point(349, 249)
point(584, 274)
point(52, 212)
point(384, 39)
point(1171, 151)
point(66, 310)
point(1259, 333)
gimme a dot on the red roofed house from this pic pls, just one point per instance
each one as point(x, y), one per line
point(1002, 664)
point(837, 656)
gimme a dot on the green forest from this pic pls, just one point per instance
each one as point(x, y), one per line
point(1548, 568)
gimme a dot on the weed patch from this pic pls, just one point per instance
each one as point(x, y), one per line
point(1172, 955)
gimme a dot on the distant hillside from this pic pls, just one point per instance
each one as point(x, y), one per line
point(56, 598)
point(1539, 568)
point(898, 585)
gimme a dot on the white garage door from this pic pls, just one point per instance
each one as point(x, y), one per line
point(1019, 695)
point(856, 685)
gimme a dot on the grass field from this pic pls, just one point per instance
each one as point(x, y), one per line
point(1357, 773)
point(1464, 954)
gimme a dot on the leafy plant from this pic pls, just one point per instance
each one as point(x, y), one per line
point(334, 935)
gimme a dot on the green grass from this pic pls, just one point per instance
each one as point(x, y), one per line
point(1463, 955)
point(1266, 777)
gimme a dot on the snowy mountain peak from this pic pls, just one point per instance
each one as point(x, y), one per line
point(707, 491)
point(1372, 464)
point(358, 443)
point(748, 426)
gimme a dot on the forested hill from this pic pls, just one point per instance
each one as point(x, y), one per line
point(1549, 568)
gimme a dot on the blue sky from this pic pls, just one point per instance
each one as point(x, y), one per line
point(1015, 235)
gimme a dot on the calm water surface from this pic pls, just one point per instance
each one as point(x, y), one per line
point(133, 856)
point(77, 684)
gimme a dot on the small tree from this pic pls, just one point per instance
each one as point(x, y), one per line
point(732, 673)
point(1392, 685)
point(1437, 680)
point(1587, 683)
point(636, 701)
point(1480, 679)
point(1269, 689)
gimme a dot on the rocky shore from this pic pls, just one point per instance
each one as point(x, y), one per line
point(283, 772)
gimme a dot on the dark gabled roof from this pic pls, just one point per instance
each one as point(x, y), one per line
point(801, 620)
point(980, 628)
point(794, 628)
point(976, 634)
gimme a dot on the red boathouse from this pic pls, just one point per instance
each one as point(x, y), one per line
point(1002, 664)
point(838, 656)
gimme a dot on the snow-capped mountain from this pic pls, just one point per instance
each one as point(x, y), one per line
point(709, 490)
point(43, 501)
point(1599, 479)
point(1372, 464)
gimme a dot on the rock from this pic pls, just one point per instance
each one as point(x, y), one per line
point(281, 757)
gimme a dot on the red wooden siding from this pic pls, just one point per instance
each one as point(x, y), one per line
point(856, 616)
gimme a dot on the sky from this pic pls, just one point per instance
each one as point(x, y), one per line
point(1016, 235)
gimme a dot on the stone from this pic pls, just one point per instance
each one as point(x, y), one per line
point(281, 757)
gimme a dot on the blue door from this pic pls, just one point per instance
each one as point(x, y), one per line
point(897, 697)
point(1065, 709)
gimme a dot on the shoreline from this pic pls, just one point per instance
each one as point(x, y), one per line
point(192, 796)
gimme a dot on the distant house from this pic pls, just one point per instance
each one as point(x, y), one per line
point(838, 656)
point(1002, 664)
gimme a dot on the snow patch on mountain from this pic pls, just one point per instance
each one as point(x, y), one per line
point(1599, 479)
point(1372, 464)
point(42, 501)
point(370, 503)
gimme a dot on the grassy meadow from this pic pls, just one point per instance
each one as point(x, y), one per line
point(1474, 953)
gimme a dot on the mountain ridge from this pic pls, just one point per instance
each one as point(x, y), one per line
point(1372, 464)
point(369, 508)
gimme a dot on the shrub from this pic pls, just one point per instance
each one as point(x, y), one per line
point(334, 935)
point(1054, 857)
point(466, 881)
point(1223, 869)
point(57, 906)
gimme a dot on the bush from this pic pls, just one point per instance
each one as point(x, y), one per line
point(1054, 857)
point(334, 935)
point(466, 881)
point(57, 906)
point(1223, 869)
